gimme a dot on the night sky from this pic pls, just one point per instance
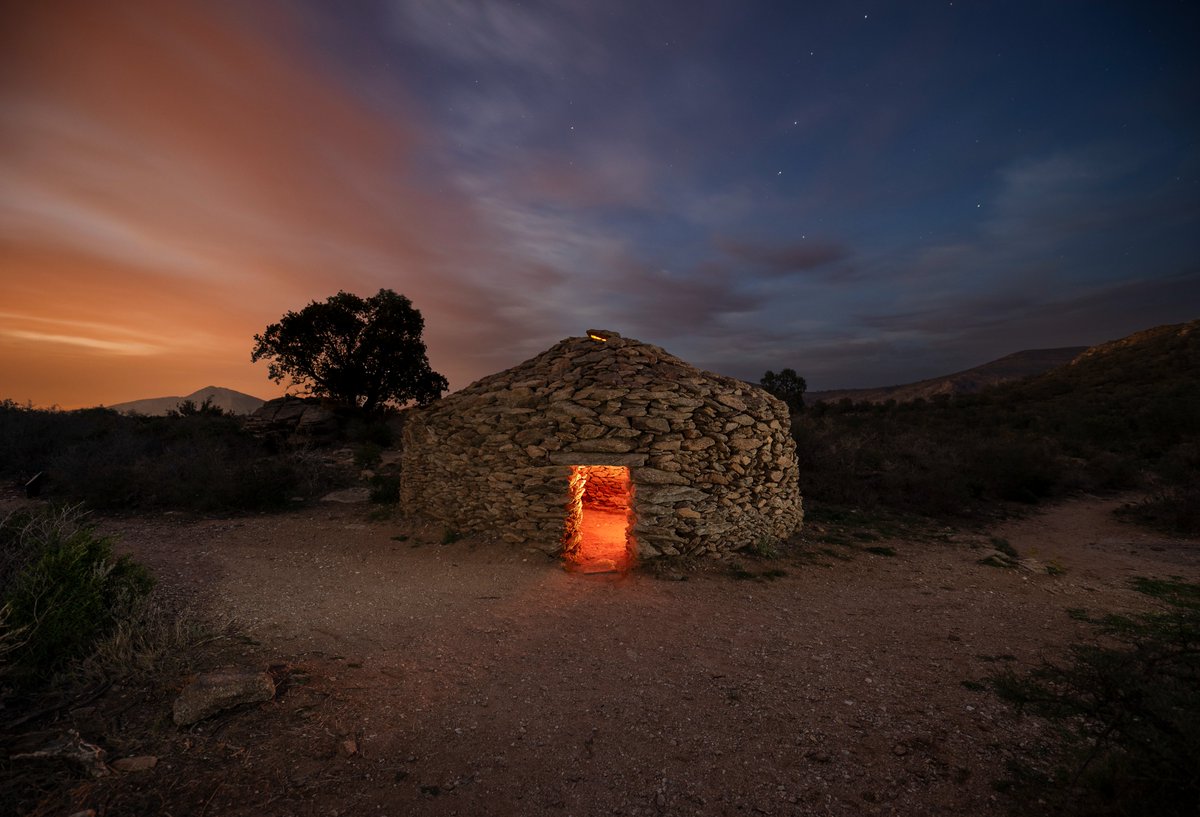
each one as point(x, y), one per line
point(869, 193)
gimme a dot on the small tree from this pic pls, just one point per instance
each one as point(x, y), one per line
point(189, 408)
point(787, 386)
point(365, 352)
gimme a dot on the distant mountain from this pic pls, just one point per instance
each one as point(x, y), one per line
point(1146, 347)
point(1016, 366)
point(1158, 369)
point(233, 402)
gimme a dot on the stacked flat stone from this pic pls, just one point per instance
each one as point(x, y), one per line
point(711, 461)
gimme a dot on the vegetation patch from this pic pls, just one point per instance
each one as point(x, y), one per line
point(1116, 419)
point(1126, 714)
point(198, 461)
point(1004, 547)
point(61, 592)
point(384, 489)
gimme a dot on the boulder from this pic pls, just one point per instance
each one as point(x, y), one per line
point(140, 763)
point(213, 692)
point(294, 418)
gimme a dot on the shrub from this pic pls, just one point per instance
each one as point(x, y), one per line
point(197, 462)
point(65, 591)
point(1173, 508)
point(367, 455)
point(385, 489)
point(1128, 714)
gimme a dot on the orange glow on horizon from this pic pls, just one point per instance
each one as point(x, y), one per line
point(174, 182)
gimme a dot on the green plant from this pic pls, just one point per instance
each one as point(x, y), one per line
point(68, 591)
point(765, 547)
point(1127, 712)
point(152, 635)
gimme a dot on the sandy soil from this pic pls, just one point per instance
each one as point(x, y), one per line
point(473, 678)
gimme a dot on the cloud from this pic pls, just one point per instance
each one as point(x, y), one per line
point(170, 172)
point(483, 32)
point(113, 346)
point(962, 332)
point(661, 303)
point(784, 259)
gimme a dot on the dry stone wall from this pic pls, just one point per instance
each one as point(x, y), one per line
point(710, 458)
point(607, 487)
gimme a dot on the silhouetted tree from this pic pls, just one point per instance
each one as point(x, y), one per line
point(787, 386)
point(365, 352)
point(189, 408)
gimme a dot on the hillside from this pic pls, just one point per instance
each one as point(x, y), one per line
point(228, 400)
point(1141, 386)
point(1120, 416)
point(1016, 366)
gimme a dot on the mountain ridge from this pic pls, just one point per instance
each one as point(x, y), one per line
point(1015, 366)
point(228, 400)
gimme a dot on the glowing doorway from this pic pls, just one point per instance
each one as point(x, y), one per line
point(598, 536)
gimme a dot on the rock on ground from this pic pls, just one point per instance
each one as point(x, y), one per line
point(216, 691)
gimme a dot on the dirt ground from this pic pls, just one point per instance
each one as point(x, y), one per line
point(473, 678)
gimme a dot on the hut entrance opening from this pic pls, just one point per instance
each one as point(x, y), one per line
point(599, 517)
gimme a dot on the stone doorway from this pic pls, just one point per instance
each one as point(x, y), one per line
point(598, 536)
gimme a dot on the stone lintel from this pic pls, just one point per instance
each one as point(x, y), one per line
point(597, 458)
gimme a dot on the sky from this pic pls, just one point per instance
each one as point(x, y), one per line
point(866, 192)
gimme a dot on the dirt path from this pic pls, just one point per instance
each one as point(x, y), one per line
point(478, 679)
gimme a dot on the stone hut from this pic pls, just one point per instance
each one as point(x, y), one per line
point(605, 450)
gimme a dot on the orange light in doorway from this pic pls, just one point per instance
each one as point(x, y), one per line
point(599, 519)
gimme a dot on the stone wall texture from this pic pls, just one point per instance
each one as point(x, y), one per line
point(711, 462)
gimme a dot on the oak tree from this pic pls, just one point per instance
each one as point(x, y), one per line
point(365, 352)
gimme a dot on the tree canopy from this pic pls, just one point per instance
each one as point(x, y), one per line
point(787, 386)
point(365, 352)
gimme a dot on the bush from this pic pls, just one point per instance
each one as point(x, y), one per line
point(200, 461)
point(1128, 715)
point(385, 489)
point(61, 592)
point(1172, 508)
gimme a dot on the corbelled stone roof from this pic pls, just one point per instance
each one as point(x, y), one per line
point(711, 458)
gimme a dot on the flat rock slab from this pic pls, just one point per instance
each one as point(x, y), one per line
point(348, 496)
point(216, 691)
point(140, 763)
